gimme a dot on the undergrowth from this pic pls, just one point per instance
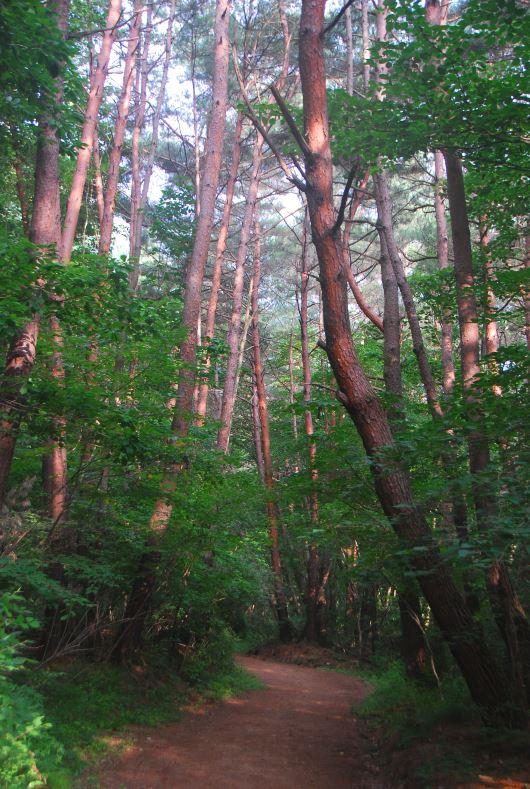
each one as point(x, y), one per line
point(438, 725)
point(410, 710)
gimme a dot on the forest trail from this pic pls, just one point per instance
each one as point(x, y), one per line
point(296, 733)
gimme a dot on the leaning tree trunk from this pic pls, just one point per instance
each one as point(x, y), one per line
point(137, 608)
point(484, 677)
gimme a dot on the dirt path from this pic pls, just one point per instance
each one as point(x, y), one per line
point(297, 733)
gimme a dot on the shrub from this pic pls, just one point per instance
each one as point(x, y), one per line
point(26, 745)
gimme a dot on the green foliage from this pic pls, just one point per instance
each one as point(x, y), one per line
point(27, 747)
point(173, 218)
point(411, 711)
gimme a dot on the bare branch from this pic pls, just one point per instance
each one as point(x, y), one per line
point(295, 131)
point(262, 130)
point(345, 195)
point(336, 18)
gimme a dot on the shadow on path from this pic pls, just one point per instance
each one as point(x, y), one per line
point(297, 733)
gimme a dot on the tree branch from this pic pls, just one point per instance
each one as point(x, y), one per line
point(262, 130)
point(345, 195)
point(295, 131)
point(336, 18)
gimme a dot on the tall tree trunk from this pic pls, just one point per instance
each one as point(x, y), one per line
point(98, 180)
point(148, 170)
point(88, 132)
point(45, 231)
point(119, 129)
point(138, 604)
point(349, 51)
point(384, 210)
point(485, 679)
point(247, 320)
point(135, 232)
point(365, 36)
point(312, 627)
point(442, 251)
point(395, 282)
point(54, 462)
point(526, 292)
point(196, 149)
point(359, 196)
point(413, 649)
point(507, 607)
point(234, 328)
point(292, 386)
point(209, 328)
point(491, 334)
point(256, 430)
point(392, 334)
point(280, 600)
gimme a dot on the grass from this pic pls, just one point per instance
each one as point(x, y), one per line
point(410, 711)
point(434, 735)
point(91, 708)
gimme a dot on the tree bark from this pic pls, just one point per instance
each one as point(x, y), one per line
point(98, 180)
point(148, 170)
point(234, 329)
point(135, 229)
point(413, 649)
point(442, 250)
point(88, 132)
point(119, 130)
point(384, 209)
point(45, 231)
point(280, 600)
point(313, 607)
point(392, 335)
point(506, 606)
point(209, 328)
point(485, 680)
point(256, 430)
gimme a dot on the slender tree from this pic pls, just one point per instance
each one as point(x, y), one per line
point(88, 133)
point(209, 328)
point(273, 514)
point(234, 328)
point(122, 115)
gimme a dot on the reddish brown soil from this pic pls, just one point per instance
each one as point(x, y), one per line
point(297, 733)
